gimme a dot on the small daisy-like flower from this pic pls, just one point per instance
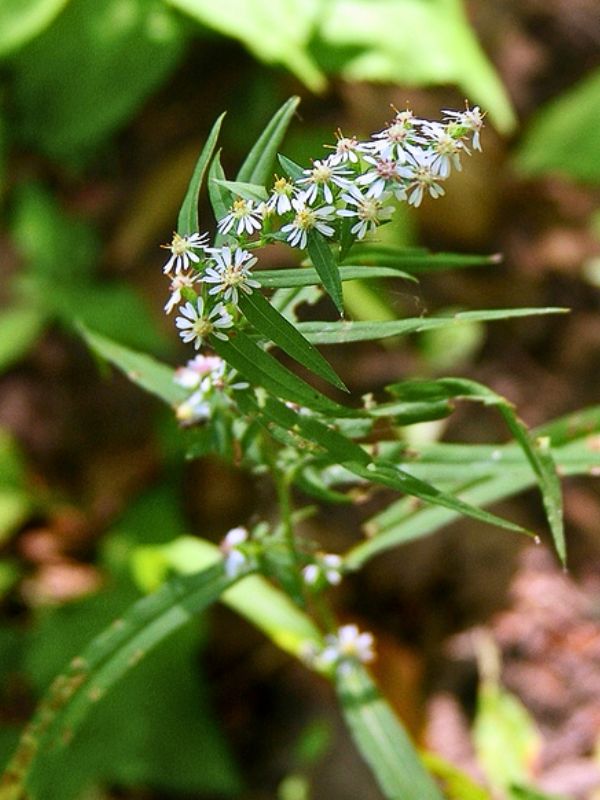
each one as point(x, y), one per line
point(198, 368)
point(308, 219)
point(180, 281)
point(346, 149)
point(422, 178)
point(193, 410)
point(384, 174)
point(390, 143)
point(347, 646)
point(446, 149)
point(236, 561)
point(321, 176)
point(370, 211)
point(326, 568)
point(280, 200)
point(231, 273)
point(195, 326)
point(243, 216)
point(182, 251)
point(472, 120)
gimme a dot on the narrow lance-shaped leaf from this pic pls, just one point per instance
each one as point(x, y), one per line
point(268, 321)
point(258, 164)
point(188, 221)
point(308, 276)
point(110, 656)
point(381, 739)
point(344, 332)
point(293, 170)
point(147, 372)
point(415, 259)
point(326, 265)
point(262, 369)
point(249, 191)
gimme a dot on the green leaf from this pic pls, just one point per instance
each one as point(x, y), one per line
point(276, 33)
point(308, 276)
point(344, 332)
point(456, 784)
point(19, 329)
point(108, 658)
point(268, 321)
point(381, 739)
point(219, 198)
point(563, 136)
point(324, 262)
point(258, 165)
point(496, 472)
point(104, 59)
point(249, 191)
point(147, 372)
point(22, 20)
point(412, 43)
point(537, 451)
point(188, 221)
point(415, 259)
point(260, 368)
point(293, 170)
point(253, 597)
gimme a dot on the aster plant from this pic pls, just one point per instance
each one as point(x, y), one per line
point(236, 398)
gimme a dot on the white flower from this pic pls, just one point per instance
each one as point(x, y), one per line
point(327, 567)
point(195, 409)
point(182, 250)
point(231, 272)
point(369, 210)
point(198, 368)
point(471, 119)
point(236, 561)
point(384, 174)
point(346, 149)
point(280, 200)
point(243, 216)
point(307, 219)
point(321, 176)
point(195, 326)
point(180, 281)
point(446, 149)
point(345, 647)
point(421, 177)
point(390, 143)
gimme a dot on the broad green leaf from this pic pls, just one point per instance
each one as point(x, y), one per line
point(249, 191)
point(324, 262)
point(268, 321)
point(219, 197)
point(293, 170)
point(188, 221)
point(253, 597)
point(414, 259)
point(381, 739)
point(277, 33)
point(104, 59)
point(308, 276)
point(19, 329)
point(258, 165)
point(412, 42)
point(147, 372)
point(22, 20)
point(344, 332)
point(108, 658)
point(260, 368)
point(537, 451)
point(563, 136)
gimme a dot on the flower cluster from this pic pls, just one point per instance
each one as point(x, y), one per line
point(207, 380)
point(355, 185)
point(325, 569)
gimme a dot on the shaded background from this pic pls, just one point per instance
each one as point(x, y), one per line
point(103, 109)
